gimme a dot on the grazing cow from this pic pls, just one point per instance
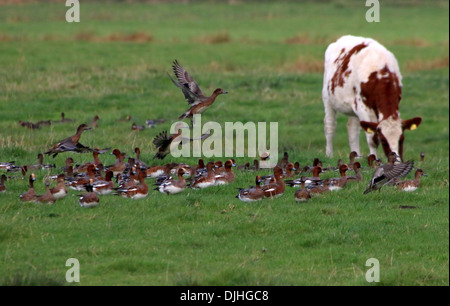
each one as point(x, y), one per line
point(362, 80)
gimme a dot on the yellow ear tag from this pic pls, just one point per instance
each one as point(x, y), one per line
point(413, 127)
point(370, 131)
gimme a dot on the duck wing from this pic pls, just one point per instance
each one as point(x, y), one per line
point(186, 80)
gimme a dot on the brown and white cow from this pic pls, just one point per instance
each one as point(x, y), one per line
point(362, 80)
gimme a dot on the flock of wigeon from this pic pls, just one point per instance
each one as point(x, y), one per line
point(128, 178)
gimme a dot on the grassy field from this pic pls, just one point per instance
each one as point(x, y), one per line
point(269, 57)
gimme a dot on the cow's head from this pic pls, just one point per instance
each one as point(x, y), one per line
point(390, 132)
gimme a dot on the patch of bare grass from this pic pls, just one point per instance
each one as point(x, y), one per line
point(306, 65)
point(418, 65)
point(135, 37)
point(307, 39)
point(216, 38)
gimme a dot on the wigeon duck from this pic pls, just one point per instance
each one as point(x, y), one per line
point(163, 141)
point(411, 185)
point(60, 190)
point(79, 183)
point(207, 180)
point(71, 143)
point(105, 186)
point(303, 194)
point(226, 176)
point(2, 183)
point(83, 167)
point(339, 163)
point(194, 170)
point(358, 177)
point(171, 186)
point(155, 171)
point(47, 197)
point(297, 170)
point(94, 123)
point(119, 166)
point(385, 174)
point(127, 180)
point(337, 183)
point(315, 179)
point(69, 161)
point(64, 119)
point(422, 156)
point(284, 161)
point(24, 170)
point(371, 159)
point(90, 198)
point(136, 127)
point(218, 166)
point(311, 180)
point(245, 166)
point(251, 194)
point(69, 172)
point(151, 123)
point(29, 125)
point(277, 187)
point(192, 93)
point(174, 167)
point(352, 157)
point(255, 166)
point(316, 163)
point(290, 170)
point(139, 163)
point(41, 164)
point(127, 118)
point(9, 166)
point(135, 192)
point(318, 189)
point(30, 195)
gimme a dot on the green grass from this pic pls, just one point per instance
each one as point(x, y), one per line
point(268, 56)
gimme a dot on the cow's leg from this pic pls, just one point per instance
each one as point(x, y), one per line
point(372, 143)
point(353, 129)
point(330, 123)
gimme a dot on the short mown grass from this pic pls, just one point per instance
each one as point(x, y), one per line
point(268, 57)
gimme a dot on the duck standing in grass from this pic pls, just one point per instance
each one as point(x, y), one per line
point(194, 96)
point(383, 175)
